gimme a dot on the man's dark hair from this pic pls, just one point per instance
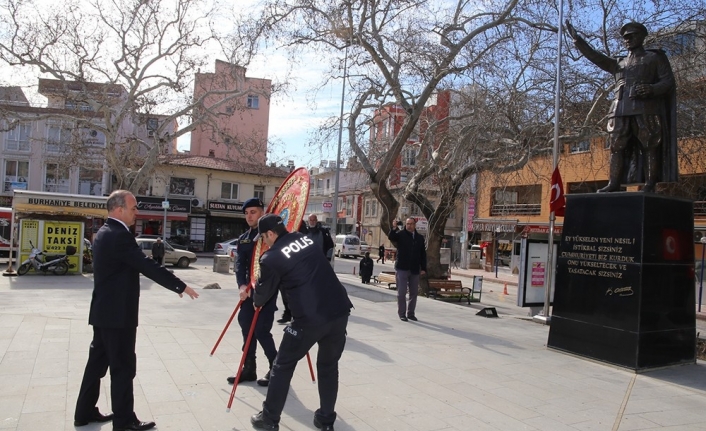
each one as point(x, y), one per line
point(279, 230)
point(117, 199)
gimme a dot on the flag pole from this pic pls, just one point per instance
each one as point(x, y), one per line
point(544, 317)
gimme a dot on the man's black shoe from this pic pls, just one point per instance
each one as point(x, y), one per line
point(402, 318)
point(412, 317)
point(259, 422)
point(265, 381)
point(286, 317)
point(135, 426)
point(96, 417)
point(321, 426)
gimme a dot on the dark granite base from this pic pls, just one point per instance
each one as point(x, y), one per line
point(625, 281)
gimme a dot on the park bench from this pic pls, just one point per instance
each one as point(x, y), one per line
point(447, 288)
point(386, 278)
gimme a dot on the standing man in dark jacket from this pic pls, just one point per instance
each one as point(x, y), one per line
point(117, 264)
point(320, 309)
point(253, 208)
point(158, 251)
point(381, 254)
point(410, 264)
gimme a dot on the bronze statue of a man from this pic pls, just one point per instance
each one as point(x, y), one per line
point(642, 116)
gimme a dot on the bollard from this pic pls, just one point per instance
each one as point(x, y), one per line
point(505, 290)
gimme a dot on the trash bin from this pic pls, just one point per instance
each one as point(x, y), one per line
point(221, 264)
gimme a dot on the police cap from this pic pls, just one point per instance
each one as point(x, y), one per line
point(269, 222)
point(633, 27)
point(253, 202)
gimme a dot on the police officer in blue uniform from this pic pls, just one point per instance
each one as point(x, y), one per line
point(253, 209)
point(320, 309)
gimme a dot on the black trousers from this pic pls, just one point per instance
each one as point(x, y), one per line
point(263, 328)
point(112, 348)
point(296, 342)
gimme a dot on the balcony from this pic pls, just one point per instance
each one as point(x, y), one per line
point(516, 209)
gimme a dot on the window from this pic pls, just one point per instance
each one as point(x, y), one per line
point(253, 102)
point(58, 136)
point(414, 210)
point(90, 182)
point(152, 124)
point(16, 175)
point(579, 147)
point(409, 156)
point(373, 208)
point(260, 193)
point(367, 207)
point(17, 139)
point(56, 178)
point(182, 186)
point(505, 197)
point(328, 184)
point(80, 106)
point(403, 177)
point(229, 191)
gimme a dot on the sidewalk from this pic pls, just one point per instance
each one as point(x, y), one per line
point(452, 370)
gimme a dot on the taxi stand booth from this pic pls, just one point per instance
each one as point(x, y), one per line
point(53, 221)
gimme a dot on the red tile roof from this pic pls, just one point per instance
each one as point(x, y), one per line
point(224, 165)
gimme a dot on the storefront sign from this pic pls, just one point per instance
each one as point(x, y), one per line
point(58, 203)
point(225, 206)
point(59, 235)
point(152, 203)
point(531, 228)
point(494, 227)
point(471, 212)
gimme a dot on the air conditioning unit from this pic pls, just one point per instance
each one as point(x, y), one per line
point(699, 234)
point(197, 203)
point(150, 133)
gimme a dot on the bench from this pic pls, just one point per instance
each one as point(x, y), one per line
point(442, 288)
point(387, 278)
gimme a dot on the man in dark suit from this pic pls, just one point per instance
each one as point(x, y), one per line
point(158, 251)
point(117, 264)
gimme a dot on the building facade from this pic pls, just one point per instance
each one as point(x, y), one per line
point(233, 127)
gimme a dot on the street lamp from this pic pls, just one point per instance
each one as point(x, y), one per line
point(340, 132)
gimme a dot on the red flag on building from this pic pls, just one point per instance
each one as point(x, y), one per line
point(558, 200)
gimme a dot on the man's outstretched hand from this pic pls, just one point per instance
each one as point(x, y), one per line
point(191, 292)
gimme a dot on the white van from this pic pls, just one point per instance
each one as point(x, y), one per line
point(347, 245)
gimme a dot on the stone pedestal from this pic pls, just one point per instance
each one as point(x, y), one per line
point(625, 280)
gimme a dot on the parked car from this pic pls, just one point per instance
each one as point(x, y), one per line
point(347, 245)
point(222, 247)
point(169, 240)
point(233, 251)
point(364, 247)
point(176, 257)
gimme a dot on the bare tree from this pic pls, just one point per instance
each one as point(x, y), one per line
point(116, 63)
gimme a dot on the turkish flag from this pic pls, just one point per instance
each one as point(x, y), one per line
point(557, 204)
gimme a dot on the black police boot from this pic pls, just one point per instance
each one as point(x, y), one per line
point(286, 317)
point(249, 373)
point(266, 379)
point(260, 422)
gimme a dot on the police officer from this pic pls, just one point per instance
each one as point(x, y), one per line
point(320, 309)
point(253, 209)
